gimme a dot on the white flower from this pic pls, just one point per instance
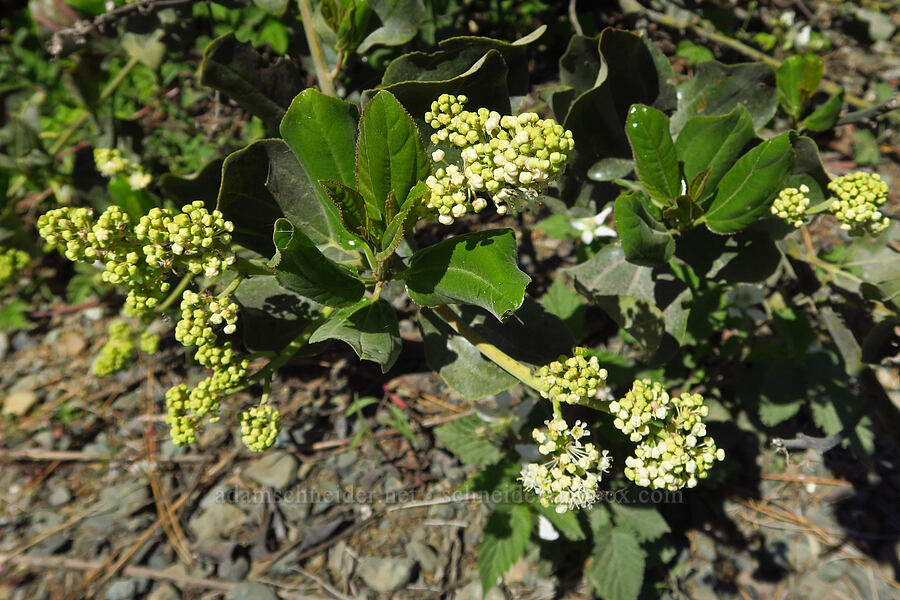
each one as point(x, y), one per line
point(593, 227)
point(437, 155)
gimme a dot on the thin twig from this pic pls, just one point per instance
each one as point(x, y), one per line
point(326, 84)
point(573, 18)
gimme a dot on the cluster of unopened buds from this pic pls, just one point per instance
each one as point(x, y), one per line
point(142, 256)
point(858, 198)
point(112, 163)
point(117, 353)
point(790, 205)
point(574, 380)
point(259, 427)
point(568, 479)
point(673, 450)
point(511, 158)
point(12, 260)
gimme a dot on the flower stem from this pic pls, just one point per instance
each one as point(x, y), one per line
point(176, 293)
point(490, 351)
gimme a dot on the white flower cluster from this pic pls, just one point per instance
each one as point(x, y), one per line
point(573, 380)
point(259, 427)
point(673, 450)
point(568, 480)
point(791, 205)
point(511, 158)
point(111, 162)
point(858, 199)
point(199, 313)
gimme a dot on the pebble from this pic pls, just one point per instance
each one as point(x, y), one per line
point(251, 591)
point(121, 589)
point(18, 403)
point(59, 496)
point(217, 520)
point(423, 554)
point(234, 570)
point(126, 497)
point(277, 470)
point(385, 574)
point(164, 591)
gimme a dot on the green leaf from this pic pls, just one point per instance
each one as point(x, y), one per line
point(645, 240)
point(826, 116)
point(402, 222)
point(271, 315)
point(644, 521)
point(237, 70)
point(351, 207)
point(610, 169)
point(475, 268)
point(136, 203)
point(370, 328)
point(566, 304)
point(400, 22)
point(746, 190)
point(865, 148)
point(616, 568)
point(506, 534)
point(693, 53)
point(566, 523)
point(654, 153)
point(484, 82)
point(390, 156)
point(244, 196)
point(877, 262)
point(455, 359)
point(718, 89)
point(274, 7)
point(302, 268)
point(13, 315)
point(797, 80)
point(844, 340)
point(714, 143)
point(321, 130)
point(470, 439)
point(202, 185)
point(145, 47)
point(580, 65)
point(642, 320)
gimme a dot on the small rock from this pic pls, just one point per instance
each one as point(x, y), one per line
point(126, 497)
point(22, 341)
point(18, 403)
point(59, 496)
point(277, 470)
point(217, 520)
point(385, 574)
point(251, 591)
point(164, 591)
point(423, 554)
point(121, 589)
point(234, 570)
point(472, 591)
point(70, 343)
point(45, 439)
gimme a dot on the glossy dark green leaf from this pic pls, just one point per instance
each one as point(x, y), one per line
point(580, 65)
point(454, 358)
point(202, 185)
point(351, 207)
point(654, 153)
point(797, 79)
point(826, 116)
point(302, 268)
point(475, 268)
point(390, 156)
point(457, 55)
point(244, 197)
point(321, 130)
point(370, 328)
point(400, 20)
point(237, 70)
point(484, 83)
point(271, 315)
point(610, 169)
point(566, 304)
point(714, 143)
point(717, 89)
point(402, 222)
point(645, 240)
point(746, 190)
